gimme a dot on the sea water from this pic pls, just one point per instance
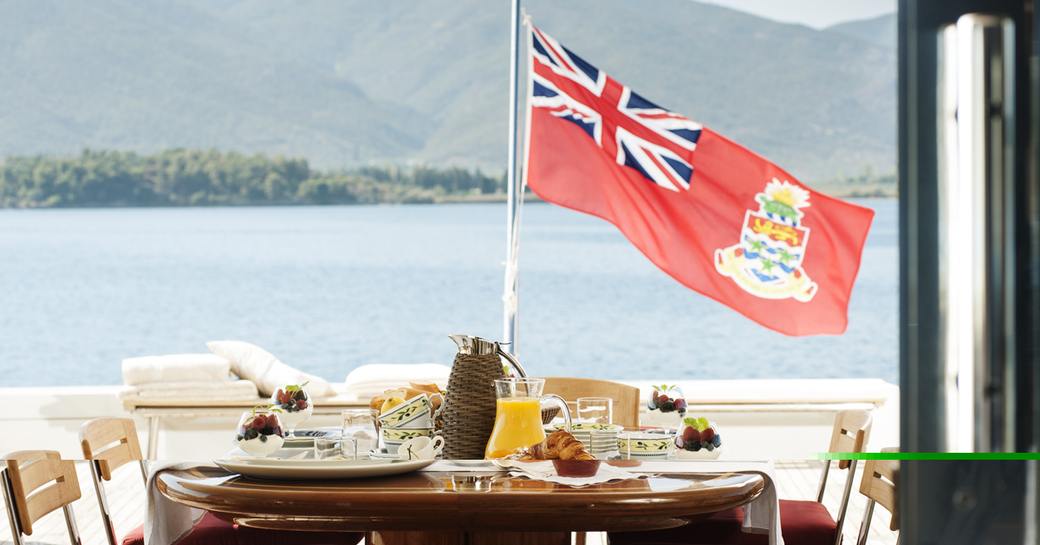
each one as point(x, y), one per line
point(329, 288)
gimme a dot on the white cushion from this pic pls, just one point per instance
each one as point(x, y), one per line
point(372, 379)
point(176, 368)
point(255, 364)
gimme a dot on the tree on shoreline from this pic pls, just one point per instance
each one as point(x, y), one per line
point(191, 177)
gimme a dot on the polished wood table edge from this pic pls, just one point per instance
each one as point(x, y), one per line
point(396, 503)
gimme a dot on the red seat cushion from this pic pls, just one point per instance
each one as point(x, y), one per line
point(211, 530)
point(802, 523)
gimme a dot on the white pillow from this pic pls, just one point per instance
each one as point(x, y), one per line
point(255, 364)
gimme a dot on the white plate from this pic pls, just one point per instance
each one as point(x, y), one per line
point(321, 469)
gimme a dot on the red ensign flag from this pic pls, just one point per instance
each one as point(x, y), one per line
point(710, 213)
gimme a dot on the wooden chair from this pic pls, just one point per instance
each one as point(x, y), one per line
point(35, 483)
point(804, 522)
point(110, 443)
point(626, 403)
point(626, 398)
point(879, 486)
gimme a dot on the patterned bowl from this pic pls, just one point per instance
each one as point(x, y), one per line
point(644, 444)
point(413, 413)
point(393, 437)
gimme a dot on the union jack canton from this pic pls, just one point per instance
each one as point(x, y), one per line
point(637, 133)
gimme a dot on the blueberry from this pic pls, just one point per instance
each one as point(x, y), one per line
point(263, 438)
point(717, 441)
point(710, 447)
point(696, 447)
point(239, 437)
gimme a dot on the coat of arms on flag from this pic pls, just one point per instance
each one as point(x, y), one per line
point(767, 262)
point(713, 215)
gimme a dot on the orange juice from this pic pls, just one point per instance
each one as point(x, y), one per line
point(518, 424)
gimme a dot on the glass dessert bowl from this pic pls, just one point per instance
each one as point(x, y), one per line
point(260, 432)
point(295, 405)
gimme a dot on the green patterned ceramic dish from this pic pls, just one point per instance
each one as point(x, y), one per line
point(598, 428)
point(400, 435)
point(413, 413)
point(646, 444)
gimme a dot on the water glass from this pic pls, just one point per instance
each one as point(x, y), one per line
point(359, 433)
point(333, 446)
point(595, 410)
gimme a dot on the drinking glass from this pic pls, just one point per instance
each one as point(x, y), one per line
point(595, 410)
point(518, 415)
point(359, 433)
point(331, 446)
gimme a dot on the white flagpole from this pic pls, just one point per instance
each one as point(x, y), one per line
point(514, 193)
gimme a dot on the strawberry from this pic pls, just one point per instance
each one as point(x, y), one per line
point(708, 434)
point(301, 405)
point(680, 405)
point(691, 435)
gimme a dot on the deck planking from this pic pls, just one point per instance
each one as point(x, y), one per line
point(794, 480)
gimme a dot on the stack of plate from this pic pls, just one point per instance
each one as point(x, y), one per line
point(599, 439)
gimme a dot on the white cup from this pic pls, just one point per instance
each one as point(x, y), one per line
point(420, 448)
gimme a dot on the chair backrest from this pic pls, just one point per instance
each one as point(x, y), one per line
point(626, 398)
point(38, 482)
point(112, 442)
point(850, 433)
point(879, 486)
point(109, 443)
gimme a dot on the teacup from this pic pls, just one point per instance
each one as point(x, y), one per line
point(416, 412)
point(394, 437)
point(420, 448)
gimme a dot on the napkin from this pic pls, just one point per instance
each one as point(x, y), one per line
point(166, 521)
point(545, 471)
point(761, 516)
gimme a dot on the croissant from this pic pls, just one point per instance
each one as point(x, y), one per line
point(563, 446)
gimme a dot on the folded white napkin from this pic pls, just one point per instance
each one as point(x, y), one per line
point(545, 471)
point(762, 515)
point(373, 379)
point(229, 390)
point(166, 520)
point(175, 368)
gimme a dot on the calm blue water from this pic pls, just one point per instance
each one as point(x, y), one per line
point(330, 288)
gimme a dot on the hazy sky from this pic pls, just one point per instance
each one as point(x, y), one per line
point(815, 13)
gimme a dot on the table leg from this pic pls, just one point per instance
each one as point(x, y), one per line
point(153, 437)
point(470, 538)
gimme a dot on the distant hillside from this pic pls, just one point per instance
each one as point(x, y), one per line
point(880, 30)
point(348, 82)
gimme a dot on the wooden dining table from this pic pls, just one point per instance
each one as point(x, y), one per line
point(459, 507)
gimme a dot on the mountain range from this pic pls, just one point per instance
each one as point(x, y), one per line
point(349, 82)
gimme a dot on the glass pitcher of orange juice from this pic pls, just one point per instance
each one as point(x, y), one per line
point(518, 417)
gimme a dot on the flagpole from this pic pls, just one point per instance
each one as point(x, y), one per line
point(510, 315)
